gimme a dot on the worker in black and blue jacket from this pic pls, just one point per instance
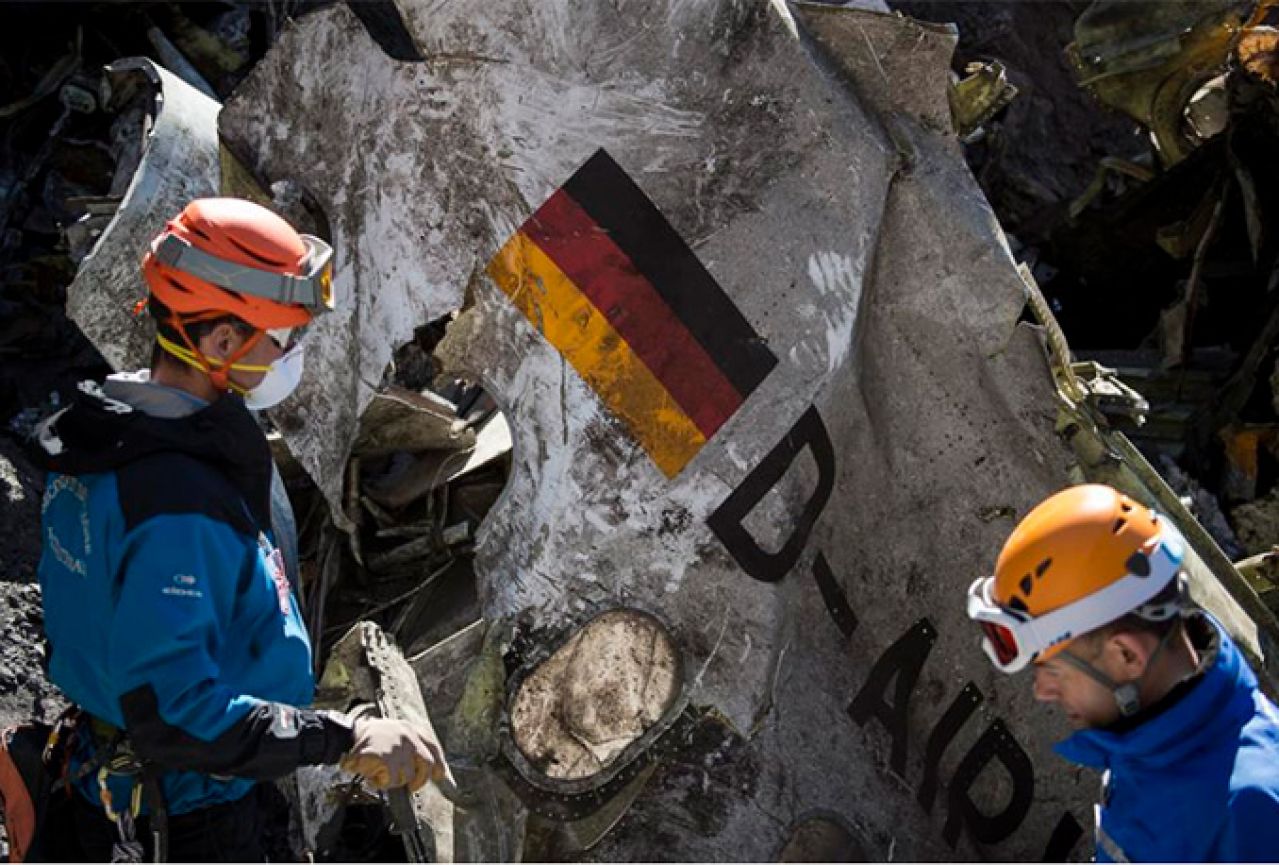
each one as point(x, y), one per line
point(170, 618)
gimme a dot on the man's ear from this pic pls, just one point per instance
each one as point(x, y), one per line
point(221, 342)
point(1128, 654)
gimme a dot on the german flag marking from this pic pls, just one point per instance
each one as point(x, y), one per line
point(572, 324)
point(605, 275)
point(606, 279)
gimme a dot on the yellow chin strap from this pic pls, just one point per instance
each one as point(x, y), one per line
point(208, 364)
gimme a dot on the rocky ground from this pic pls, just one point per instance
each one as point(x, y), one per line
point(24, 692)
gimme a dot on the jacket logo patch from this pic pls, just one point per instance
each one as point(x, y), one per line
point(284, 722)
point(76, 564)
point(182, 587)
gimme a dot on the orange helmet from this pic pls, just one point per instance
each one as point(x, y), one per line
point(227, 256)
point(1080, 560)
point(230, 256)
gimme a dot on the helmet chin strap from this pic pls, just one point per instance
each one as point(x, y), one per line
point(217, 371)
point(1128, 695)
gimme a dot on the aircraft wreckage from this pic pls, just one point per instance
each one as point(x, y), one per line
point(755, 334)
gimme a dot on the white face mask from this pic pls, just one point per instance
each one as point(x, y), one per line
point(281, 379)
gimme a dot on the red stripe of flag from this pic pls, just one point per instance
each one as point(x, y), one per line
point(606, 276)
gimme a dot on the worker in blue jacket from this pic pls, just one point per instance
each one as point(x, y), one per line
point(170, 619)
point(1089, 589)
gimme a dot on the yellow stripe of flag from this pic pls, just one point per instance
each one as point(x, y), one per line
point(582, 334)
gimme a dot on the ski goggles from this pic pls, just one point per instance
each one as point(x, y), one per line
point(312, 290)
point(1012, 638)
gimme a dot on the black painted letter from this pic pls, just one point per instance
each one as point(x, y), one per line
point(965, 703)
point(1064, 838)
point(903, 661)
point(726, 522)
point(995, 743)
point(841, 612)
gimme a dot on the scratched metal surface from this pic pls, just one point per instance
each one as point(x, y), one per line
point(809, 557)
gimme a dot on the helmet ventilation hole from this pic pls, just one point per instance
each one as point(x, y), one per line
point(1026, 584)
point(1043, 567)
point(1016, 603)
point(1119, 525)
point(256, 255)
point(1138, 563)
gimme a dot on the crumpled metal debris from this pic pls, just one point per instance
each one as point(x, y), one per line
point(1203, 504)
point(399, 419)
point(787, 623)
point(1257, 522)
point(49, 82)
point(1187, 245)
point(982, 93)
point(1208, 109)
point(1107, 456)
point(853, 253)
point(1258, 53)
point(413, 477)
point(175, 130)
point(176, 63)
point(1108, 394)
point(365, 667)
point(1262, 572)
point(1149, 60)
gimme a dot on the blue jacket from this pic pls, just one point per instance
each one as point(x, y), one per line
point(168, 611)
point(1199, 780)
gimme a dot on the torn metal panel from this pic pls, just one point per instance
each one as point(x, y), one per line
point(174, 62)
point(1150, 60)
point(441, 668)
point(891, 60)
point(179, 162)
point(473, 100)
point(413, 478)
point(402, 420)
point(366, 667)
point(798, 487)
point(1262, 573)
point(1258, 52)
point(982, 93)
point(1107, 456)
point(493, 820)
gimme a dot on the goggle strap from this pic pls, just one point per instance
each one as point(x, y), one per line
point(1088, 669)
point(308, 291)
point(1127, 695)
